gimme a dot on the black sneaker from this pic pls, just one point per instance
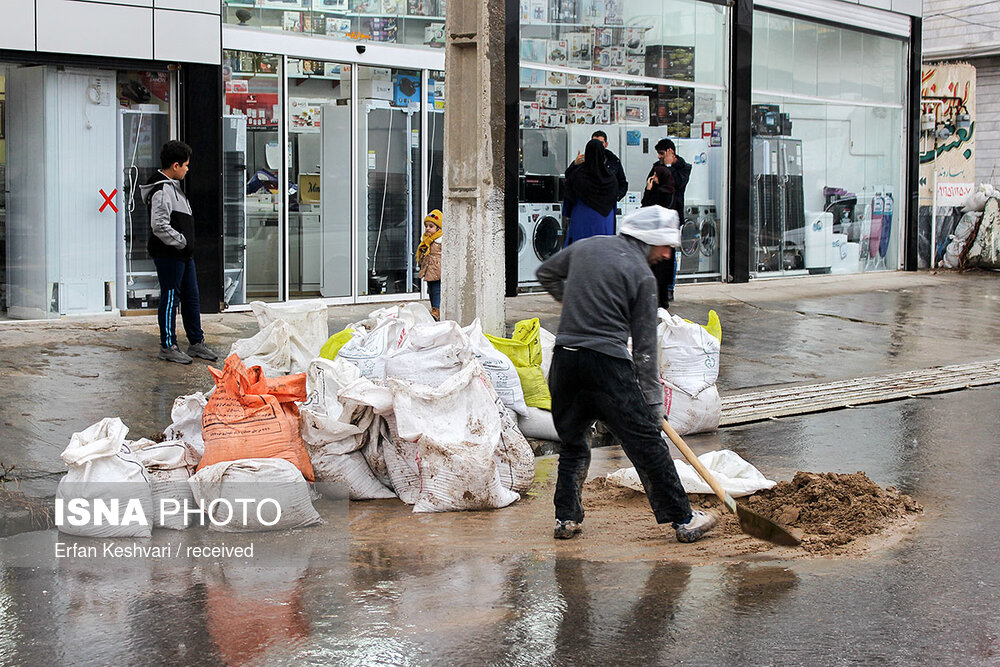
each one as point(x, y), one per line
point(699, 524)
point(202, 351)
point(174, 354)
point(567, 530)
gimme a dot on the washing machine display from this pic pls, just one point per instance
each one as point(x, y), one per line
point(539, 236)
point(699, 240)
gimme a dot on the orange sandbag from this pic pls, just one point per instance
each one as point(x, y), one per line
point(250, 416)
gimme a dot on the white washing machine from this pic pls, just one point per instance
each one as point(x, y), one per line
point(539, 236)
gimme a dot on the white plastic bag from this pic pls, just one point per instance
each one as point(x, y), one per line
point(538, 424)
point(431, 353)
point(736, 476)
point(231, 484)
point(169, 464)
point(456, 427)
point(332, 441)
point(689, 355)
point(186, 415)
point(368, 349)
point(269, 348)
point(689, 414)
point(498, 367)
point(104, 471)
point(548, 340)
point(410, 314)
point(307, 321)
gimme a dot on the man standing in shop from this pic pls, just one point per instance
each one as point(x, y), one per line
point(171, 245)
point(666, 271)
point(614, 164)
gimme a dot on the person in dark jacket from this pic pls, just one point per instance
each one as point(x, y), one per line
point(608, 295)
point(592, 194)
point(614, 164)
point(171, 245)
point(656, 191)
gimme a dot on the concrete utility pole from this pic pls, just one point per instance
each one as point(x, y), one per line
point(472, 278)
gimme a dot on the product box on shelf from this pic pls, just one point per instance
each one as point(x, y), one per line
point(530, 114)
point(547, 99)
point(538, 11)
point(631, 109)
point(366, 6)
point(601, 94)
point(603, 112)
point(373, 82)
point(525, 11)
point(635, 65)
point(582, 117)
point(604, 36)
point(577, 80)
point(434, 34)
point(581, 48)
point(634, 40)
point(613, 12)
point(591, 12)
point(557, 52)
point(580, 101)
point(531, 78)
point(336, 27)
point(406, 91)
point(380, 28)
point(562, 11)
point(555, 79)
point(333, 5)
point(533, 50)
point(552, 118)
point(304, 114)
point(394, 6)
point(421, 8)
point(291, 21)
point(442, 8)
point(670, 62)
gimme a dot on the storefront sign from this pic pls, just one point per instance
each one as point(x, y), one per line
point(954, 194)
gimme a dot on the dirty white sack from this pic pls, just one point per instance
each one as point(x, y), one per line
point(736, 476)
point(691, 414)
point(169, 464)
point(410, 314)
point(537, 423)
point(498, 366)
point(431, 353)
point(332, 441)
point(276, 348)
point(548, 340)
point(186, 415)
point(514, 457)
point(102, 467)
point(456, 427)
point(689, 355)
point(307, 323)
point(231, 483)
point(368, 349)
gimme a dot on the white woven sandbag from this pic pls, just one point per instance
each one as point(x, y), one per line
point(368, 349)
point(498, 366)
point(691, 414)
point(169, 464)
point(689, 355)
point(431, 353)
point(737, 477)
point(307, 322)
point(186, 415)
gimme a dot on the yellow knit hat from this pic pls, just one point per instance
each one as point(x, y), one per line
point(436, 217)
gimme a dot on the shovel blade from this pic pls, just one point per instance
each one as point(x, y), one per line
point(763, 528)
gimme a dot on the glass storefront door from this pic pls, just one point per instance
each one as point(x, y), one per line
point(389, 190)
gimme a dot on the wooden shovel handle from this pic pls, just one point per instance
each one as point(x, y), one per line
point(698, 465)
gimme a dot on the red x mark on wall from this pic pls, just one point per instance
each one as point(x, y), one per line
point(107, 200)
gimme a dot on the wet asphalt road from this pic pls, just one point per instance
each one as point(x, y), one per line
point(934, 598)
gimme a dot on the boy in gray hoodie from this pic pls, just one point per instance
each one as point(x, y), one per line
point(171, 245)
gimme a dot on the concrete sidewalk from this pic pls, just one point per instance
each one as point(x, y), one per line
point(60, 377)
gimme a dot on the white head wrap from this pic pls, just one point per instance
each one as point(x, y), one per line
point(653, 225)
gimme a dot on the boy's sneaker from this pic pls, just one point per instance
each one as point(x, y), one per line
point(174, 354)
point(202, 351)
point(695, 529)
point(567, 530)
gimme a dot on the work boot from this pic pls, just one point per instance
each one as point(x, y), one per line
point(699, 524)
point(202, 351)
point(174, 354)
point(567, 530)
point(436, 314)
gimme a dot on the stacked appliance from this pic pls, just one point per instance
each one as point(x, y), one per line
point(778, 217)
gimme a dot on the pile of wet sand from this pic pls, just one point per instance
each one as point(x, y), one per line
point(832, 510)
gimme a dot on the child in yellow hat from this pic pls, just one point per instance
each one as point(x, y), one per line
point(429, 259)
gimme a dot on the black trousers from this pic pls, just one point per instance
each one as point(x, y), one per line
point(666, 276)
point(588, 385)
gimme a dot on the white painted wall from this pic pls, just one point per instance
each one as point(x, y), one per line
point(174, 30)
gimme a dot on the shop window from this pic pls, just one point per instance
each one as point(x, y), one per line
point(638, 72)
point(411, 22)
point(253, 203)
point(827, 154)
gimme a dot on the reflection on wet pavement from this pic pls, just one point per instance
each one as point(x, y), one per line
point(931, 599)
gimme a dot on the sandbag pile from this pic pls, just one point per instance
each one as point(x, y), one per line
point(975, 241)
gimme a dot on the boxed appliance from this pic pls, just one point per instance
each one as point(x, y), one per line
point(552, 118)
point(581, 48)
point(406, 91)
point(580, 101)
point(530, 114)
point(557, 52)
point(547, 99)
point(373, 82)
point(631, 109)
point(434, 34)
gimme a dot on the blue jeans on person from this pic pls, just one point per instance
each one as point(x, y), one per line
point(434, 292)
point(178, 285)
point(588, 385)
